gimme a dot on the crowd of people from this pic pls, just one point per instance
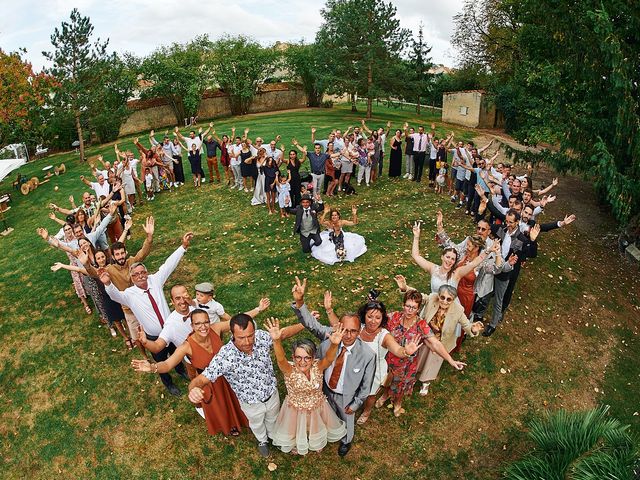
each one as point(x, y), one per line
point(365, 359)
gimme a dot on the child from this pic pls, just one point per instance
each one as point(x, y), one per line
point(441, 179)
point(284, 193)
point(148, 183)
point(204, 300)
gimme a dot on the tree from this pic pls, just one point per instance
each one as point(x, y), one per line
point(364, 42)
point(567, 73)
point(181, 74)
point(108, 108)
point(578, 446)
point(23, 95)
point(74, 67)
point(419, 64)
point(306, 63)
point(239, 66)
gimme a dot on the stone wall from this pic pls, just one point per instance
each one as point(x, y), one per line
point(472, 108)
point(156, 113)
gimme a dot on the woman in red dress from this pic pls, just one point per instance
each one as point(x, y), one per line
point(405, 327)
point(221, 407)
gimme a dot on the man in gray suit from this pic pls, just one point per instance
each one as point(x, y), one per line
point(347, 382)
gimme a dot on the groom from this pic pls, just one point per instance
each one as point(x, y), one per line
point(347, 381)
point(307, 224)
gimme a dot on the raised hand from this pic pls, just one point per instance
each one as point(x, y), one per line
point(555, 182)
point(534, 232)
point(328, 300)
point(149, 226)
point(294, 141)
point(354, 209)
point(272, 325)
point(313, 130)
point(416, 228)
point(264, 304)
point(513, 259)
point(105, 278)
point(337, 334)
point(135, 140)
point(406, 125)
point(316, 314)
point(56, 266)
point(439, 217)
point(278, 137)
point(412, 347)
point(81, 177)
point(152, 133)
point(112, 209)
point(186, 239)
point(141, 365)
point(210, 124)
point(433, 126)
point(43, 232)
point(52, 215)
point(83, 257)
point(568, 219)
point(128, 224)
point(401, 282)
point(299, 289)
point(496, 247)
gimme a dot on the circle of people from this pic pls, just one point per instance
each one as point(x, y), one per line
point(365, 359)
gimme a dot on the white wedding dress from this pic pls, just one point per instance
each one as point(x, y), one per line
point(259, 196)
point(354, 246)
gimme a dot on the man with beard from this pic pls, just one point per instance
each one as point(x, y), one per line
point(120, 276)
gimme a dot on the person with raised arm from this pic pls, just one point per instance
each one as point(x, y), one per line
point(222, 411)
point(245, 362)
point(348, 380)
point(338, 245)
point(147, 301)
point(306, 421)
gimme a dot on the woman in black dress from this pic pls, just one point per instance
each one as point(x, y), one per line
point(293, 165)
point(247, 166)
point(395, 159)
point(270, 170)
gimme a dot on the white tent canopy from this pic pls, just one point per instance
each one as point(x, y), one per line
point(18, 156)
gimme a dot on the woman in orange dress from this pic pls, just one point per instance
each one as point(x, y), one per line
point(221, 407)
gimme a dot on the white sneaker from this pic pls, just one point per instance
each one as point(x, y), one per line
point(410, 177)
point(359, 183)
point(113, 332)
point(203, 180)
point(424, 391)
point(367, 184)
point(406, 175)
point(246, 189)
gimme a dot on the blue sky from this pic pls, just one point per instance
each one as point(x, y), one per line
point(139, 26)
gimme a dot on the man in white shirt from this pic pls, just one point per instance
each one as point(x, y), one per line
point(101, 187)
point(146, 299)
point(236, 162)
point(420, 142)
point(274, 152)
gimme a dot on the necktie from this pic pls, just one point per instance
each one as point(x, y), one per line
point(306, 212)
point(337, 369)
point(155, 307)
point(203, 306)
point(420, 143)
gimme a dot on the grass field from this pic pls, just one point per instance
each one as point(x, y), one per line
point(71, 406)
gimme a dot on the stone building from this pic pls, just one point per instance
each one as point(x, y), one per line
point(471, 108)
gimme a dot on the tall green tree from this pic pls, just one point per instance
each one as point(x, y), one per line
point(362, 43)
point(239, 66)
point(74, 61)
point(180, 73)
point(305, 63)
point(419, 79)
point(568, 74)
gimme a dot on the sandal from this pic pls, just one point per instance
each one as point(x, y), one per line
point(424, 391)
point(363, 419)
point(398, 411)
point(129, 343)
point(381, 401)
point(234, 432)
point(87, 309)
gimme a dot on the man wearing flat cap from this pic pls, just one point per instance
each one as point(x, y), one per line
point(307, 225)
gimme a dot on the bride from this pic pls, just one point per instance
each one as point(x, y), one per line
point(338, 245)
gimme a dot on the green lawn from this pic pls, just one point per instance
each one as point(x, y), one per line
point(71, 406)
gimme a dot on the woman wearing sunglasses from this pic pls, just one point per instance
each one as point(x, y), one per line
point(306, 421)
point(443, 315)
